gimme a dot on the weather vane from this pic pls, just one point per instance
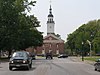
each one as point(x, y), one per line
point(50, 1)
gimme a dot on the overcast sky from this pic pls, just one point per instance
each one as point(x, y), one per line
point(68, 14)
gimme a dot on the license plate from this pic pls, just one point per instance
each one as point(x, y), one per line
point(18, 65)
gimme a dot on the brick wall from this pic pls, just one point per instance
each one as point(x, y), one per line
point(54, 47)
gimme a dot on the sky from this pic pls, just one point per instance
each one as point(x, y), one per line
point(69, 15)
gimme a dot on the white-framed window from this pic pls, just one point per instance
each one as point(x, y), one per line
point(43, 51)
point(57, 51)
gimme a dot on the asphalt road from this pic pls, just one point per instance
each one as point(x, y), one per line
point(41, 66)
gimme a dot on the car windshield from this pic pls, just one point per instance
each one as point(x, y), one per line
point(19, 54)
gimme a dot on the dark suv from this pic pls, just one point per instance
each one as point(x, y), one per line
point(49, 56)
point(20, 59)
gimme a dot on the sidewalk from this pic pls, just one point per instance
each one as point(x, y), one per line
point(79, 59)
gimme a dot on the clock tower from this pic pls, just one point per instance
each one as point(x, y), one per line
point(50, 22)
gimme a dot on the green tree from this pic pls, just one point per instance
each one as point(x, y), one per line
point(17, 29)
point(89, 31)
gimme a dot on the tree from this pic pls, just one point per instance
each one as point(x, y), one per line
point(89, 31)
point(17, 29)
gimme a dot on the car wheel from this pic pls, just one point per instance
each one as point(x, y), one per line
point(10, 68)
point(51, 57)
point(30, 65)
point(95, 69)
point(46, 57)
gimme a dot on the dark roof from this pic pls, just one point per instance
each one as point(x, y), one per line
point(50, 15)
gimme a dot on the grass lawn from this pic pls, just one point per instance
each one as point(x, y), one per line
point(93, 58)
point(4, 59)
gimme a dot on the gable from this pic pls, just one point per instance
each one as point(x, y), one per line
point(52, 38)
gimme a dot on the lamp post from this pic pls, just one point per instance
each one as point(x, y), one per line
point(82, 52)
point(90, 47)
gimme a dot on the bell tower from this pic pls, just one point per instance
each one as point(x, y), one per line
point(50, 22)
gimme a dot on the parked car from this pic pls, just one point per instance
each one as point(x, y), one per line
point(63, 56)
point(49, 56)
point(20, 59)
point(97, 65)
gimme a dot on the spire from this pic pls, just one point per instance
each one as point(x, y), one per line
point(50, 12)
point(50, 16)
point(50, 6)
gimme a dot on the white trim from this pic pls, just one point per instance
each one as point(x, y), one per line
point(53, 41)
point(53, 36)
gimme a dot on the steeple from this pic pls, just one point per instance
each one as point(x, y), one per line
point(50, 12)
point(50, 16)
point(50, 22)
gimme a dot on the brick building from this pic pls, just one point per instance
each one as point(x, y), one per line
point(51, 42)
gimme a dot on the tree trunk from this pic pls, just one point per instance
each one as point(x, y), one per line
point(9, 55)
point(72, 52)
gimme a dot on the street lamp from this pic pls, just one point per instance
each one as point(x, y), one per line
point(82, 52)
point(90, 47)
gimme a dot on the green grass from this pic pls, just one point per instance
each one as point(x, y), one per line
point(93, 58)
point(4, 59)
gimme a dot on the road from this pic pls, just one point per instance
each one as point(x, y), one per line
point(41, 66)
